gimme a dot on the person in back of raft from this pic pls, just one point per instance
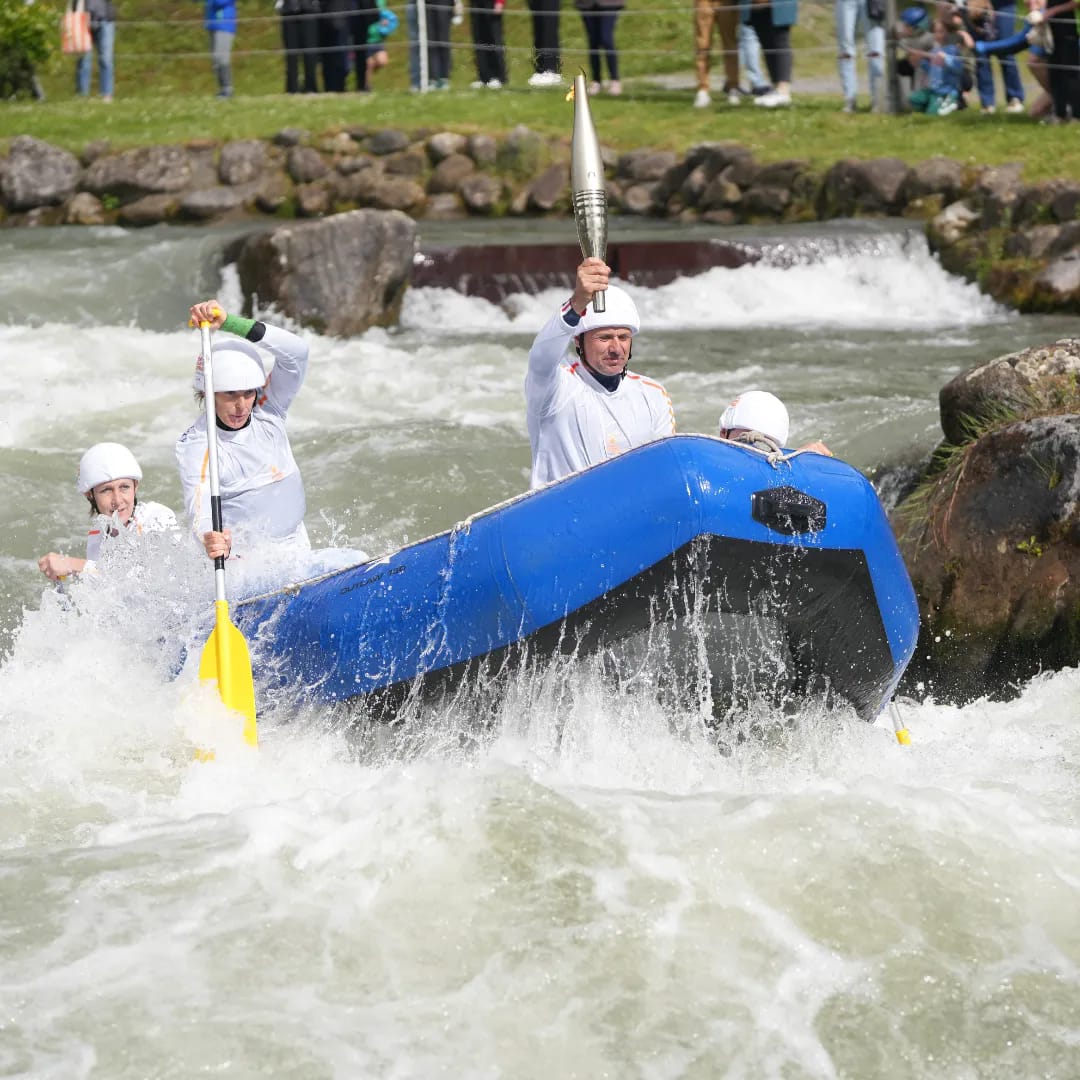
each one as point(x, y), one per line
point(109, 479)
point(262, 493)
point(585, 411)
point(760, 419)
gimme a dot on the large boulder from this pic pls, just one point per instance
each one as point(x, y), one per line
point(992, 542)
point(1036, 380)
point(340, 275)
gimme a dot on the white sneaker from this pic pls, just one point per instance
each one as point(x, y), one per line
point(773, 100)
point(476, 84)
point(702, 99)
point(545, 78)
point(493, 84)
point(949, 105)
point(734, 97)
point(848, 106)
point(1015, 106)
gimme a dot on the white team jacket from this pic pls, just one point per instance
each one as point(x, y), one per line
point(573, 420)
point(262, 493)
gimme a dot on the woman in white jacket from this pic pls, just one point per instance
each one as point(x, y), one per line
point(108, 479)
point(262, 493)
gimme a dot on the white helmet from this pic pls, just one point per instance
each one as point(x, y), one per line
point(758, 410)
point(619, 310)
point(106, 461)
point(237, 366)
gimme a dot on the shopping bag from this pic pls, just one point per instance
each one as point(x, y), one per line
point(75, 29)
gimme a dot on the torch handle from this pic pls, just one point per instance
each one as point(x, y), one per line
point(590, 215)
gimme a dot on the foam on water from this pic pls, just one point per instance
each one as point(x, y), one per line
point(625, 884)
point(894, 285)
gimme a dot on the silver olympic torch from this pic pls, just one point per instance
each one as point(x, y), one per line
point(587, 182)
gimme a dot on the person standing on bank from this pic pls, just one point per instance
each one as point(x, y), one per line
point(584, 412)
point(220, 24)
point(547, 52)
point(772, 21)
point(869, 17)
point(262, 493)
point(108, 479)
point(300, 40)
point(711, 17)
point(103, 35)
point(489, 47)
point(599, 17)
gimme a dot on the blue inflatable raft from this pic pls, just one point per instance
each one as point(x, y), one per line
point(783, 569)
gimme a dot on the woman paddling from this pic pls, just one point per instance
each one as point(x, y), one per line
point(262, 493)
point(109, 479)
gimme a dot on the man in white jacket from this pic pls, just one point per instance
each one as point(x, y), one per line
point(585, 411)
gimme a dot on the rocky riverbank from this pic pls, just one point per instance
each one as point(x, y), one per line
point(990, 528)
point(1020, 242)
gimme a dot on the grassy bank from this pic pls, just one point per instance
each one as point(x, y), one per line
point(164, 93)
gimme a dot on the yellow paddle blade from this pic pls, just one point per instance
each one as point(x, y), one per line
point(226, 660)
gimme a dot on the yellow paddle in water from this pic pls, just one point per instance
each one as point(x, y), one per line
point(225, 656)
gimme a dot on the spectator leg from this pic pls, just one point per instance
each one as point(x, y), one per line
point(1005, 26)
point(104, 42)
point(703, 30)
point(875, 62)
point(846, 14)
point(221, 60)
point(727, 21)
point(750, 57)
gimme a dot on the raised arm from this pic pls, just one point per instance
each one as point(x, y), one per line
point(290, 352)
point(549, 346)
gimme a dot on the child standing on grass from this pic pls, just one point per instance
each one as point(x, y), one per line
point(943, 68)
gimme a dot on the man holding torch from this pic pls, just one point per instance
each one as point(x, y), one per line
point(585, 411)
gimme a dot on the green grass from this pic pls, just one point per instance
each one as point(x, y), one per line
point(164, 93)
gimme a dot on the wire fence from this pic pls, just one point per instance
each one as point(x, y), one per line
point(815, 43)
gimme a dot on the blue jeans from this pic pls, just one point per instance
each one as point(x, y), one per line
point(1005, 27)
point(750, 56)
point(104, 36)
point(850, 16)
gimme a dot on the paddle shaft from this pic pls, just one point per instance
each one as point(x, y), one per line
point(212, 456)
point(225, 656)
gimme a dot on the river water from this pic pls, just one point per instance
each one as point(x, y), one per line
point(590, 886)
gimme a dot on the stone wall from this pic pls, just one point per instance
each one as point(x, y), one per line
point(1020, 242)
